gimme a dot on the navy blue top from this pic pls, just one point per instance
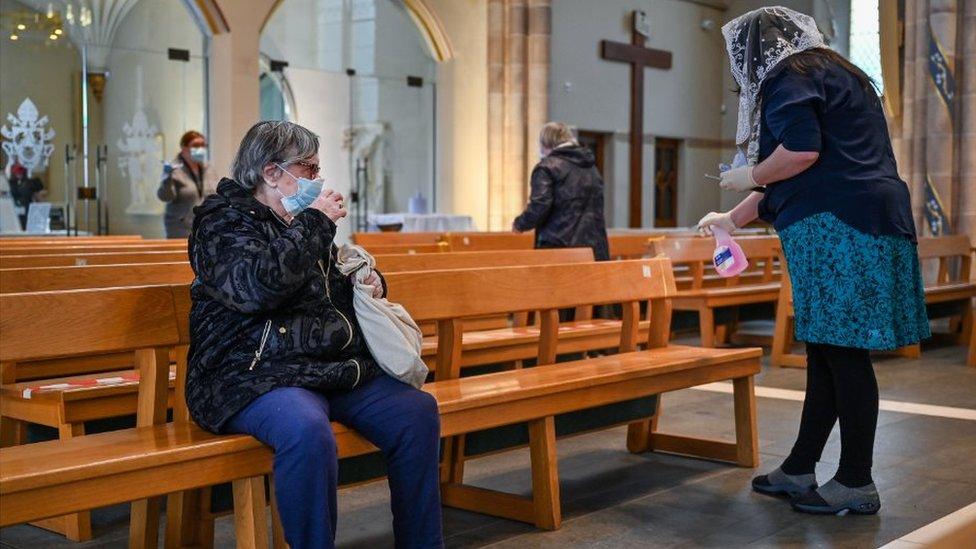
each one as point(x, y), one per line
point(855, 177)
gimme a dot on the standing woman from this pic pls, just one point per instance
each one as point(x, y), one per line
point(186, 182)
point(566, 206)
point(818, 159)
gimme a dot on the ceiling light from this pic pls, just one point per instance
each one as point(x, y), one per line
point(14, 37)
point(21, 26)
point(58, 32)
point(53, 37)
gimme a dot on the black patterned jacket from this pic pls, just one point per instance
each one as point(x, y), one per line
point(270, 308)
point(566, 206)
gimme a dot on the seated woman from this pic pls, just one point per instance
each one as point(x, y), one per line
point(276, 351)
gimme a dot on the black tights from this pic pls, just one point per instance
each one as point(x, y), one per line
point(840, 384)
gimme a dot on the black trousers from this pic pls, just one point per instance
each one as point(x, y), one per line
point(840, 385)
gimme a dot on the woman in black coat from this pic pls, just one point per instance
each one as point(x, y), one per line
point(566, 206)
point(276, 351)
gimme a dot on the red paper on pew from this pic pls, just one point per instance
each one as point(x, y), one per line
point(85, 383)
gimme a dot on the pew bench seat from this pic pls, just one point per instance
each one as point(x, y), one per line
point(57, 477)
point(706, 300)
point(483, 347)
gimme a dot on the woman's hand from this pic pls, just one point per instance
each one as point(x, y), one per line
point(330, 203)
point(713, 219)
point(374, 280)
point(738, 179)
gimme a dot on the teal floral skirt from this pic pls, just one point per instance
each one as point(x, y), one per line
point(854, 289)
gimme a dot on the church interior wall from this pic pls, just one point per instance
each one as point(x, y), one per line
point(682, 103)
point(462, 110)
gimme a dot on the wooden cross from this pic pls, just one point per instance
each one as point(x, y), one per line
point(639, 57)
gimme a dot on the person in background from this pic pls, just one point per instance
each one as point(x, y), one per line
point(566, 204)
point(23, 191)
point(277, 352)
point(813, 138)
point(186, 182)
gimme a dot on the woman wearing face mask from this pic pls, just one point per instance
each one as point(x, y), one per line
point(186, 182)
point(276, 350)
point(813, 137)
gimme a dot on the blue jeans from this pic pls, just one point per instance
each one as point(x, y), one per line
point(401, 421)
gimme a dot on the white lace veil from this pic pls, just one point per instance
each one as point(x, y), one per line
point(757, 42)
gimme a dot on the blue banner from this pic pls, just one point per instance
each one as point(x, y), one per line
point(934, 212)
point(941, 74)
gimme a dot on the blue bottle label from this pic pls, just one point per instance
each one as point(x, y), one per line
point(723, 258)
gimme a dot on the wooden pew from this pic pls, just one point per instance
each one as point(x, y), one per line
point(139, 322)
point(439, 247)
point(40, 393)
point(394, 239)
point(145, 246)
point(705, 294)
point(476, 242)
point(39, 279)
point(59, 477)
point(48, 239)
point(951, 286)
point(631, 246)
point(68, 260)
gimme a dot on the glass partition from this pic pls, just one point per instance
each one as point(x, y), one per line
point(120, 81)
point(361, 77)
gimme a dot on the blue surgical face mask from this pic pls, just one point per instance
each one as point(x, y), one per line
point(308, 191)
point(198, 154)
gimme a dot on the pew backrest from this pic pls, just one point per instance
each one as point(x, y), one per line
point(66, 323)
point(474, 242)
point(408, 249)
point(48, 249)
point(394, 239)
point(39, 279)
point(697, 254)
point(946, 250)
point(473, 260)
point(68, 260)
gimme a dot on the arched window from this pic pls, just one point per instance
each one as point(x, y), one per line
point(865, 39)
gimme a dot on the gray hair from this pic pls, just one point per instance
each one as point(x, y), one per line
point(270, 142)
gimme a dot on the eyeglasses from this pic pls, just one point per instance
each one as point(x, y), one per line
point(313, 169)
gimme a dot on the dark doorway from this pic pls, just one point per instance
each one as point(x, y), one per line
point(596, 142)
point(666, 182)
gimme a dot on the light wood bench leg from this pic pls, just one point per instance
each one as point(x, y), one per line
point(966, 330)
point(144, 523)
point(746, 432)
point(706, 321)
point(250, 521)
point(545, 473)
point(643, 436)
point(972, 342)
point(639, 433)
point(13, 432)
point(910, 351)
point(277, 529)
point(186, 520)
point(76, 526)
point(542, 509)
point(452, 463)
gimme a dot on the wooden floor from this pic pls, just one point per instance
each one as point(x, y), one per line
point(614, 499)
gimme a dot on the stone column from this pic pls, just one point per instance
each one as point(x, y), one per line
point(518, 72)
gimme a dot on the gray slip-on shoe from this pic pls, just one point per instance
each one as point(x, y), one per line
point(778, 483)
point(833, 498)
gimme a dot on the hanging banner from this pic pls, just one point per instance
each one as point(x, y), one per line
point(934, 212)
